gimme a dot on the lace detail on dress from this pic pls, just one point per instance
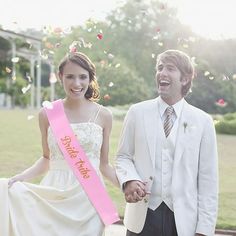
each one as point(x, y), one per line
point(90, 136)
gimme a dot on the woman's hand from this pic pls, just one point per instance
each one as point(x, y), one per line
point(14, 179)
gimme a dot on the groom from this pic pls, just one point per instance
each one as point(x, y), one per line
point(167, 159)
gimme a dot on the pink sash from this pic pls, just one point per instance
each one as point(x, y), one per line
point(79, 163)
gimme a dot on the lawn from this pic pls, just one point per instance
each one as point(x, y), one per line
point(20, 147)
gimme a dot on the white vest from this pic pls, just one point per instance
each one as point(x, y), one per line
point(165, 148)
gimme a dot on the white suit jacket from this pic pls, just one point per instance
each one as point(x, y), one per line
point(194, 186)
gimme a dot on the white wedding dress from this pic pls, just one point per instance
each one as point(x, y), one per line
point(59, 205)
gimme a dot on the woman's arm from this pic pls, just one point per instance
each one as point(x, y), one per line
point(42, 164)
point(106, 169)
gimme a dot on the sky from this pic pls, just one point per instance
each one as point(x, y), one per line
point(209, 18)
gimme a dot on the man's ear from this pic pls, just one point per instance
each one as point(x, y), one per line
point(184, 80)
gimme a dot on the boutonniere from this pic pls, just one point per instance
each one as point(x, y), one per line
point(188, 127)
point(185, 124)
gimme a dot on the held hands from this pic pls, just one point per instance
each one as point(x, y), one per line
point(14, 179)
point(135, 191)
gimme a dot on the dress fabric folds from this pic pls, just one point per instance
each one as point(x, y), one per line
point(58, 206)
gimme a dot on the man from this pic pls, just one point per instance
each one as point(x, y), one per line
point(167, 159)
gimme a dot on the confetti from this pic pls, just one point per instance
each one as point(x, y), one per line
point(221, 103)
point(57, 45)
point(107, 97)
point(47, 105)
point(28, 78)
point(206, 73)
point(111, 84)
point(15, 59)
point(117, 65)
point(234, 76)
point(30, 117)
point(52, 78)
point(100, 36)
point(49, 45)
point(110, 56)
point(8, 70)
point(153, 55)
point(73, 46)
point(25, 89)
point(224, 77)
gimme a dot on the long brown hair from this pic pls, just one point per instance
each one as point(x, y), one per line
point(82, 60)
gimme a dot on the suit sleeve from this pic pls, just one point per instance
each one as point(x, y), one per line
point(207, 181)
point(125, 167)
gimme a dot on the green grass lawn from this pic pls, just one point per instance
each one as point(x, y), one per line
point(20, 147)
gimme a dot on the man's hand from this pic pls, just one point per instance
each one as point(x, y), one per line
point(134, 191)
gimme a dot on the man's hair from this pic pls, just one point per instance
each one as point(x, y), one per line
point(183, 62)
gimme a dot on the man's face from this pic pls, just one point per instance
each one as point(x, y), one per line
point(169, 82)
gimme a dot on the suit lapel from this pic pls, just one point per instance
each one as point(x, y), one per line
point(151, 128)
point(182, 137)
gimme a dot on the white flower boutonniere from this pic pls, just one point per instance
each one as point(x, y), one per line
point(185, 124)
point(188, 127)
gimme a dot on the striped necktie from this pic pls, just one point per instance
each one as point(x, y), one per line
point(168, 123)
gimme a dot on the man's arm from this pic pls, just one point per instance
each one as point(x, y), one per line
point(207, 181)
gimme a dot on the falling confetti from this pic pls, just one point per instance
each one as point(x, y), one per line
point(234, 76)
point(49, 45)
point(224, 77)
point(221, 103)
point(30, 117)
point(47, 105)
point(100, 36)
point(8, 70)
point(107, 97)
point(15, 59)
point(52, 78)
point(162, 7)
point(153, 55)
point(73, 47)
point(57, 45)
point(117, 65)
point(28, 78)
point(110, 56)
point(25, 89)
point(206, 73)
point(111, 84)
point(160, 44)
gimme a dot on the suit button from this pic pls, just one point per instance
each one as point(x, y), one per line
point(145, 200)
point(151, 178)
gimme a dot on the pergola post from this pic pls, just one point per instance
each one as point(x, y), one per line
point(38, 78)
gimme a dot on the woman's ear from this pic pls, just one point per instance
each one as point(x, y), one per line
point(59, 77)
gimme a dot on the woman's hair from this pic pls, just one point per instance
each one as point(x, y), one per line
point(183, 62)
point(82, 60)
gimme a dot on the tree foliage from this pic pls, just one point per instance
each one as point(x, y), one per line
point(124, 53)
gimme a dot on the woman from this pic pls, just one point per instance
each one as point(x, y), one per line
point(59, 205)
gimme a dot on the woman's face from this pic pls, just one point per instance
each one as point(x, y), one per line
point(75, 80)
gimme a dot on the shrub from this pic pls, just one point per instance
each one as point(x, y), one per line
point(227, 125)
